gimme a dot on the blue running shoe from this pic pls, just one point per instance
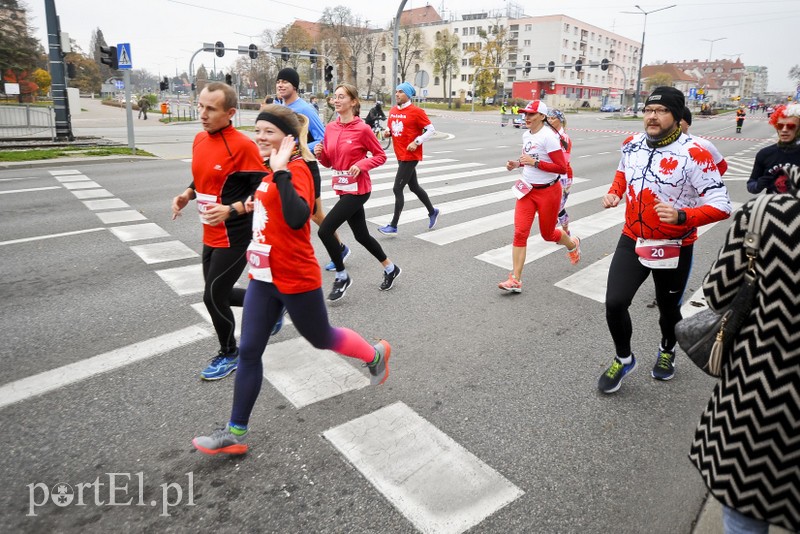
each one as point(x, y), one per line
point(432, 218)
point(611, 380)
point(388, 230)
point(279, 324)
point(330, 266)
point(221, 366)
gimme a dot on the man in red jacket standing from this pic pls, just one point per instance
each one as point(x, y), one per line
point(409, 127)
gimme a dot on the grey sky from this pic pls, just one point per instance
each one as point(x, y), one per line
point(164, 33)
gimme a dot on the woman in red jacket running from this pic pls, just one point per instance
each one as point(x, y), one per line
point(283, 273)
point(344, 149)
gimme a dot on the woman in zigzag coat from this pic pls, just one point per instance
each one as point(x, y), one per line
point(747, 445)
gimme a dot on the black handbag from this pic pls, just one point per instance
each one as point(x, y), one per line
point(708, 336)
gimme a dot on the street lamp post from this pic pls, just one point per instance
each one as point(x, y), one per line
point(641, 51)
point(712, 41)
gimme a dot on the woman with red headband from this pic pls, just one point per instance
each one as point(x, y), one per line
point(538, 190)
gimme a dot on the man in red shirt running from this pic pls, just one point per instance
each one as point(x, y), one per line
point(409, 127)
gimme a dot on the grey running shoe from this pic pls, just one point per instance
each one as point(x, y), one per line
point(222, 440)
point(380, 371)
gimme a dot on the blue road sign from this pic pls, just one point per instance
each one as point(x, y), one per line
point(119, 84)
point(124, 56)
point(692, 93)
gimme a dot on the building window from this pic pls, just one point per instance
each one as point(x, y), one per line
point(463, 77)
point(526, 42)
point(383, 56)
point(464, 62)
point(528, 27)
point(526, 58)
point(566, 27)
point(368, 71)
point(435, 80)
point(464, 30)
point(383, 69)
point(472, 30)
point(416, 67)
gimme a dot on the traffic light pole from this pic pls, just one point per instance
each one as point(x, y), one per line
point(59, 81)
point(126, 78)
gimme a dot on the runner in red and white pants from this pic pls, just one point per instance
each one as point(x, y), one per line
point(538, 190)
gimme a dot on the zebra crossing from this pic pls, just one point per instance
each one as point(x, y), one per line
point(427, 480)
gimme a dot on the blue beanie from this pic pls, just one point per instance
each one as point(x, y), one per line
point(407, 88)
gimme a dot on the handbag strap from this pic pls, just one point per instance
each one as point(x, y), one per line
point(752, 239)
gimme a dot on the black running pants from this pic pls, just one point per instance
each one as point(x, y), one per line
point(222, 267)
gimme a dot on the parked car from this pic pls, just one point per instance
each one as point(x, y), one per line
point(611, 108)
point(519, 121)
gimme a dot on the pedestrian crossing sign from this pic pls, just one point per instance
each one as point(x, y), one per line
point(124, 56)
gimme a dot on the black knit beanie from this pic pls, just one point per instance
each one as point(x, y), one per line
point(290, 75)
point(670, 98)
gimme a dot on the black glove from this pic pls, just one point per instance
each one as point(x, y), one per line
point(765, 182)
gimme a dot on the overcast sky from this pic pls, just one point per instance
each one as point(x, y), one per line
point(165, 33)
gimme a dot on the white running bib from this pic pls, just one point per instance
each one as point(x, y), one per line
point(520, 189)
point(258, 260)
point(658, 253)
point(344, 181)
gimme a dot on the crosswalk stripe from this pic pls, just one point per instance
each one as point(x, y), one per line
point(327, 195)
point(591, 281)
point(456, 232)
point(420, 214)
point(538, 248)
point(449, 189)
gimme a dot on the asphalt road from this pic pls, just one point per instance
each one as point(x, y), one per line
point(510, 378)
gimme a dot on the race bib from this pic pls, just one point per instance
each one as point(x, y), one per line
point(344, 181)
point(204, 202)
point(258, 261)
point(658, 253)
point(521, 189)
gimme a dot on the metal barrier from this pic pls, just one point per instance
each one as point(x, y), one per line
point(27, 121)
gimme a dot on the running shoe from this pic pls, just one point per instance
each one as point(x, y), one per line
point(330, 266)
point(574, 255)
point(389, 278)
point(512, 285)
point(279, 324)
point(664, 369)
point(339, 288)
point(611, 380)
point(222, 440)
point(221, 366)
point(380, 370)
point(433, 218)
point(388, 230)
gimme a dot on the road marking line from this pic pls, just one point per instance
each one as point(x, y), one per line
point(20, 178)
point(47, 381)
point(165, 251)
point(111, 217)
point(184, 280)
point(51, 236)
point(136, 232)
point(31, 190)
point(435, 482)
point(64, 172)
point(106, 204)
point(84, 194)
point(85, 184)
point(305, 375)
point(72, 178)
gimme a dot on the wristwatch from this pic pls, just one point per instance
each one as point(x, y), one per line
point(232, 212)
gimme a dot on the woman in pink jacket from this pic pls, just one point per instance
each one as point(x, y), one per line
point(344, 149)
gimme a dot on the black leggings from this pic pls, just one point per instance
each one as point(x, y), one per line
point(625, 277)
point(407, 176)
point(349, 208)
point(222, 267)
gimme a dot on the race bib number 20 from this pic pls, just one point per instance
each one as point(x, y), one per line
point(658, 253)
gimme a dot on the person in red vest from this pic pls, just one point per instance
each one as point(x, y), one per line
point(740, 115)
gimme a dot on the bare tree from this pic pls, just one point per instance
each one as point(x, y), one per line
point(411, 46)
point(445, 57)
point(492, 50)
point(794, 73)
point(374, 43)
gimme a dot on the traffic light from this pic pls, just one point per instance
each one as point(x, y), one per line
point(551, 66)
point(604, 64)
point(527, 69)
point(328, 73)
point(253, 51)
point(219, 49)
point(285, 53)
point(164, 84)
point(578, 65)
point(229, 79)
point(108, 56)
point(313, 57)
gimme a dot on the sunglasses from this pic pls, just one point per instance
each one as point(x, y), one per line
point(790, 126)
